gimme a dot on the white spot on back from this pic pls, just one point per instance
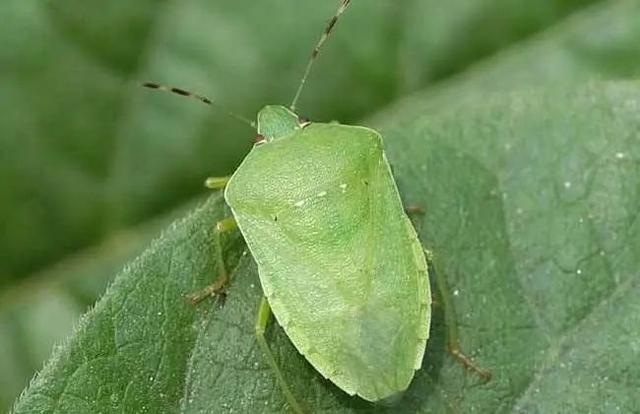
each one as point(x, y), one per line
point(299, 203)
point(322, 193)
point(343, 187)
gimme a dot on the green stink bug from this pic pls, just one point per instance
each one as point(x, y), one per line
point(340, 264)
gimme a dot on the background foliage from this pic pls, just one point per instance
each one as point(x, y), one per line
point(509, 121)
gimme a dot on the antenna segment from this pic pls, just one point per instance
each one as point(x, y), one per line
point(201, 98)
point(316, 50)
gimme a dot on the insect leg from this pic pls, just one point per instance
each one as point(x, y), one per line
point(453, 341)
point(217, 287)
point(264, 314)
point(413, 209)
point(216, 183)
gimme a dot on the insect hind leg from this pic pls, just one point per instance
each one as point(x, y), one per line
point(217, 288)
point(453, 339)
point(264, 314)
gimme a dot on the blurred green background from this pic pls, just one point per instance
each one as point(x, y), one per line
point(92, 166)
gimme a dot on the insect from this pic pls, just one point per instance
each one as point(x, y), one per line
point(340, 264)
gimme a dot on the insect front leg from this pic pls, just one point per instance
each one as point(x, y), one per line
point(453, 341)
point(264, 314)
point(217, 183)
point(218, 287)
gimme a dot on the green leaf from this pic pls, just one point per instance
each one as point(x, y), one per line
point(536, 233)
point(537, 300)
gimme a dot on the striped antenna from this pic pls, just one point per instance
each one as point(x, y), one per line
point(316, 50)
point(201, 98)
